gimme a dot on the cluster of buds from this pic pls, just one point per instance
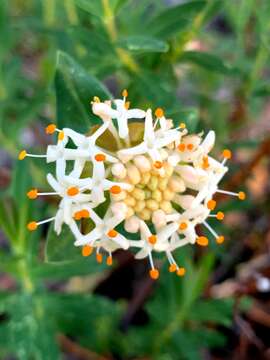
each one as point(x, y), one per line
point(158, 182)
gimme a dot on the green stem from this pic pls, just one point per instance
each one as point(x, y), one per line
point(190, 34)
point(71, 12)
point(260, 60)
point(48, 12)
point(109, 23)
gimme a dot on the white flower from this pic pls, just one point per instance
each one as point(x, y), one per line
point(168, 170)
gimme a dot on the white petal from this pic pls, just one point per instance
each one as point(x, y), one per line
point(135, 114)
point(53, 183)
point(142, 253)
point(208, 142)
point(77, 138)
point(89, 238)
point(135, 150)
point(149, 134)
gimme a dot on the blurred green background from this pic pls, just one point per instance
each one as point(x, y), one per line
point(206, 62)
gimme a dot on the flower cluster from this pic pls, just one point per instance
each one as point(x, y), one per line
point(160, 186)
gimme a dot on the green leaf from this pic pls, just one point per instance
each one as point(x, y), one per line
point(174, 19)
point(213, 310)
point(75, 88)
point(207, 61)
point(143, 44)
point(29, 331)
point(63, 258)
point(60, 248)
point(93, 7)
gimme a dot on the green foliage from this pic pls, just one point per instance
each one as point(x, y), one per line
point(54, 57)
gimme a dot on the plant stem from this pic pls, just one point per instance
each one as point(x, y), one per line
point(48, 12)
point(109, 23)
point(71, 12)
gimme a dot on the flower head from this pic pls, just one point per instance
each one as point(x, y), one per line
point(160, 187)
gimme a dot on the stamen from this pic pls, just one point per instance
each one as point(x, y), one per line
point(32, 194)
point(23, 154)
point(181, 271)
point(182, 125)
point(85, 214)
point(181, 147)
point(112, 233)
point(190, 147)
point(61, 136)
point(202, 241)
point(219, 239)
point(154, 274)
point(115, 189)
point(159, 113)
point(32, 226)
point(72, 191)
point(50, 129)
point(127, 105)
point(99, 257)
point(109, 260)
point(172, 268)
point(220, 215)
point(87, 250)
point(227, 153)
point(205, 164)
point(125, 93)
point(211, 204)
point(158, 164)
point(183, 226)
point(96, 99)
point(77, 215)
point(241, 195)
point(100, 157)
point(152, 239)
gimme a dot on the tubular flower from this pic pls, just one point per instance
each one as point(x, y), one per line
point(159, 186)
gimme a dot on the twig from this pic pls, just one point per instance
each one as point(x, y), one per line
point(71, 347)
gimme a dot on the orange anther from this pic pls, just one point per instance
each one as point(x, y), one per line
point(181, 271)
point(183, 226)
point(154, 274)
point(205, 164)
point(202, 241)
point(211, 204)
point(152, 239)
point(87, 250)
point(220, 239)
point(100, 157)
point(241, 195)
point(127, 105)
point(109, 260)
point(22, 155)
point(77, 215)
point(32, 194)
point(181, 147)
point(220, 215)
point(99, 258)
point(182, 126)
point(159, 113)
point(172, 268)
point(115, 189)
point(32, 226)
point(158, 164)
point(227, 153)
point(125, 93)
point(61, 136)
point(112, 233)
point(190, 147)
point(50, 129)
point(85, 213)
point(72, 191)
